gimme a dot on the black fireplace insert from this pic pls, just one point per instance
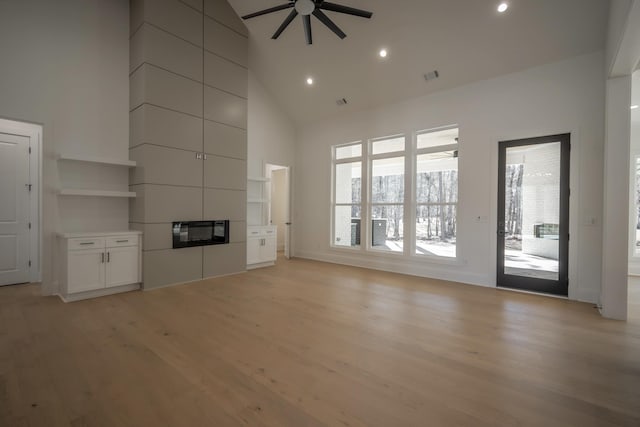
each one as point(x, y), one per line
point(200, 233)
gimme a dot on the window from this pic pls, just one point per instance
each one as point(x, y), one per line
point(436, 192)
point(347, 195)
point(387, 194)
point(395, 196)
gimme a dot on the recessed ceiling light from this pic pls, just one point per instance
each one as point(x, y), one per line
point(383, 53)
point(309, 81)
point(634, 107)
point(502, 7)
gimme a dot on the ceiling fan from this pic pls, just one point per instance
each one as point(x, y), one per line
point(306, 8)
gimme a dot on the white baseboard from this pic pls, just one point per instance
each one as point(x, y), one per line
point(401, 266)
point(260, 265)
point(99, 292)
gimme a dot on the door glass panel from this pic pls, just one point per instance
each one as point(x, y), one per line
point(532, 211)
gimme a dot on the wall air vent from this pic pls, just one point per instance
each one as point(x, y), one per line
point(341, 102)
point(432, 75)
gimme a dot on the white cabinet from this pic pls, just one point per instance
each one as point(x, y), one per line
point(121, 266)
point(261, 246)
point(86, 270)
point(96, 264)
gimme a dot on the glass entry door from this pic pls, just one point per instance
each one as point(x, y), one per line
point(533, 214)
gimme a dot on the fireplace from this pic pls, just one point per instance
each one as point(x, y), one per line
point(200, 233)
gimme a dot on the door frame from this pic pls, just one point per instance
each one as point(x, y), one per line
point(561, 286)
point(34, 133)
point(288, 232)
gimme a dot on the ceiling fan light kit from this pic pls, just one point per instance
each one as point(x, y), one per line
point(306, 8)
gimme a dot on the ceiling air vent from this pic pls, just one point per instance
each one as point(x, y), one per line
point(432, 75)
point(341, 102)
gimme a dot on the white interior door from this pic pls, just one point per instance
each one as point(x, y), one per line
point(14, 209)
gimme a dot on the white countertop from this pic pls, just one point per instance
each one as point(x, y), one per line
point(98, 234)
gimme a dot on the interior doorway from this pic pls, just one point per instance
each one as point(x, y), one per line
point(533, 214)
point(20, 202)
point(279, 210)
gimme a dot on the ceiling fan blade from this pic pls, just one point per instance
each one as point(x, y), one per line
point(270, 10)
point(329, 23)
point(307, 28)
point(285, 24)
point(344, 9)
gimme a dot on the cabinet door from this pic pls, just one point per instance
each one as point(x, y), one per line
point(85, 270)
point(253, 251)
point(122, 266)
point(268, 249)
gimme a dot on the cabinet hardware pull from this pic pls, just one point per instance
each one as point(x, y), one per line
point(121, 241)
point(108, 256)
point(86, 243)
point(102, 260)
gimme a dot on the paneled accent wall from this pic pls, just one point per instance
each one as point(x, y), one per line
point(188, 96)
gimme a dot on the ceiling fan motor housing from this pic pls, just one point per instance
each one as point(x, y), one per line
point(305, 7)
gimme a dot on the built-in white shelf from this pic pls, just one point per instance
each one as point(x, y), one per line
point(257, 200)
point(95, 193)
point(101, 160)
point(258, 179)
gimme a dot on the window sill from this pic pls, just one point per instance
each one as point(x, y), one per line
point(439, 259)
point(399, 255)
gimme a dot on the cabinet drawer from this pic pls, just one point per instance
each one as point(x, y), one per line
point(261, 231)
point(88, 243)
point(114, 242)
point(253, 233)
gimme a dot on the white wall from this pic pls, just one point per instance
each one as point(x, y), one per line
point(615, 239)
point(567, 96)
point(65, 66)
point(270, 139)
point(618, 15)
point(271, 135)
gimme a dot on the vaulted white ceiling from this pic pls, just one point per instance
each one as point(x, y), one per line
point(465, 40)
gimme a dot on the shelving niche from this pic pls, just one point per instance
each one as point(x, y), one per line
point(66, 190)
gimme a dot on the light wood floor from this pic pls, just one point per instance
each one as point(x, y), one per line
point(309, 344)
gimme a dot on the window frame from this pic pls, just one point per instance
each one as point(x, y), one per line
point(333, 205)
point(371, 205)
point(409, 204)
point(414, 186)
